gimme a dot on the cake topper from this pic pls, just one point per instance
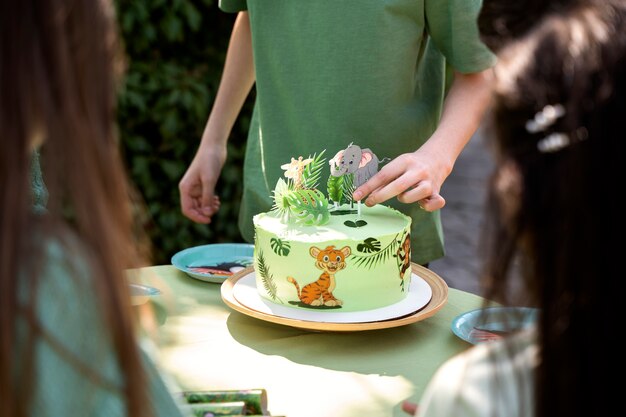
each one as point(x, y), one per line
point(298, 198)
point(295, 170)
point(361, 163)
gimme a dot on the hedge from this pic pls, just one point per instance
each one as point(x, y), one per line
point(175, 51)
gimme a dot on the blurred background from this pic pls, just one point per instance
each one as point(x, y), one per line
point(175, 50)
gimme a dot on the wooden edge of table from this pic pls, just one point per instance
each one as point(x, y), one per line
point(437, 301)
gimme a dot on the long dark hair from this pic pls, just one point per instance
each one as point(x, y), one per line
point(58, 60)
point(553, 204)
point(501, 21)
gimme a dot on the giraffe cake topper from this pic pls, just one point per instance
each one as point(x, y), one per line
point(325, 251)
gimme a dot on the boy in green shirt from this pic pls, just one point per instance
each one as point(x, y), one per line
point(333, 72)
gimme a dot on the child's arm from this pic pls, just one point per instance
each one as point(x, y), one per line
point(418, 176)
point(197, 187)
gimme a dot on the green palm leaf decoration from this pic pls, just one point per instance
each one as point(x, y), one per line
point(348, 187)
point(280, 247)
point(267, 278)
point(312, 172)
point(281, 194)
point(373, 259)
point(309, 207)
point(335, 188)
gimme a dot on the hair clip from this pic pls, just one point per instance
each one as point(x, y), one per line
point(557, 141)
point(545, 118)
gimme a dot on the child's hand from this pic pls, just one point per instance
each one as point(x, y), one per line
point(413, 177)
point(198, 201)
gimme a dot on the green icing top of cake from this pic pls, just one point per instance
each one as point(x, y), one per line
point(344, 223)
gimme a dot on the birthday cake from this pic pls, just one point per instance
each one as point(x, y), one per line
point(329, 253)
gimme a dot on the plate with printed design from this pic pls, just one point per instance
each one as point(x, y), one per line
point(215, 262)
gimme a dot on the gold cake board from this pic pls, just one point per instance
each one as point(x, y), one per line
point(437, 301)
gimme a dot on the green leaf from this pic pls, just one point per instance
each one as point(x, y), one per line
point(267, 278)
point(369, 245)
point(280, 247)
point(309, 207)
point(193, 16)
point(348, 187)
point(313, 171)
point(371, 260)
point(334, 187)
point(282, 192)
point(358, 223)
point(172, 27)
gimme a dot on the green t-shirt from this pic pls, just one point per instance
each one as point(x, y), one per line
point(371, 72)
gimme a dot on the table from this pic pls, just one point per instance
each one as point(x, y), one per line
point(205, 345)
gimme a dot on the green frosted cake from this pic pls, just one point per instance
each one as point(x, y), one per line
point(330, 256)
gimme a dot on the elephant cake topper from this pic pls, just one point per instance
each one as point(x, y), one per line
point(362, 163)
point(297, 198)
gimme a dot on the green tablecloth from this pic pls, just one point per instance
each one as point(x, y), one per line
point(205, 345)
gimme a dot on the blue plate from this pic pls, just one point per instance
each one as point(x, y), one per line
point(216, 262)
point(490, 323)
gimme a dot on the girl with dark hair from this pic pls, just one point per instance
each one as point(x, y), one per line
point(558, 126)
point(68, 341)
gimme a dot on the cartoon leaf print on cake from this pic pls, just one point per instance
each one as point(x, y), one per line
point(309, 207)
point(280, 247)
point(313, 171)
point(374, 259)
point(267, 278)
point(358, 223)
point(369, 245)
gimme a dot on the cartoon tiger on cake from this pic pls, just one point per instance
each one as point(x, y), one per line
point(320, 292)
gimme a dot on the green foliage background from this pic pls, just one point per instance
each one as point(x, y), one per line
point(175, 51)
